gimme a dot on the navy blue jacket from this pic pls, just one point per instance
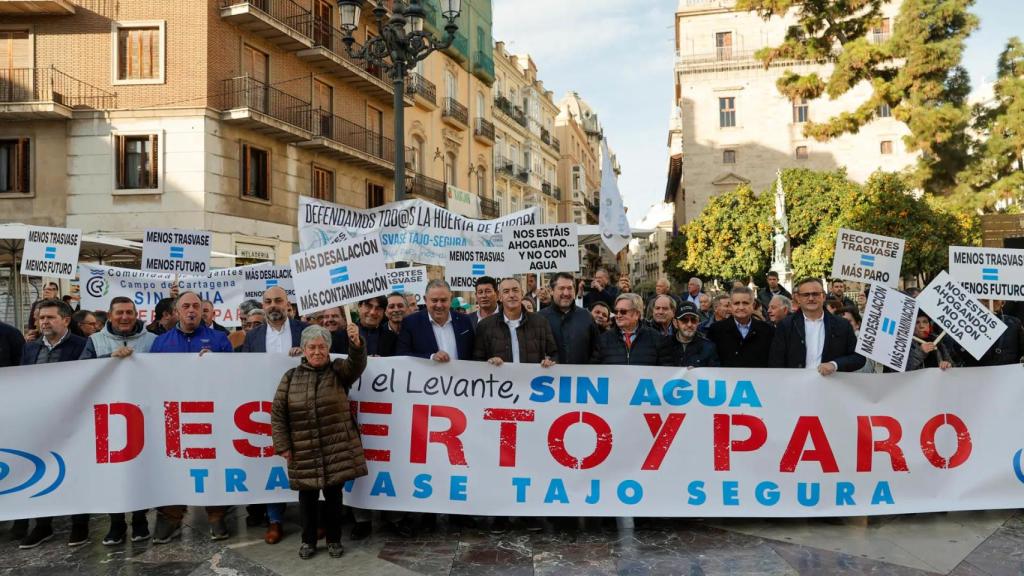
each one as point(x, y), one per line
point(789, 348)
point(699, 353)
point(174, 340)
point(70, 349)
point(12, 343)
point(417, 336)
point(256, 339)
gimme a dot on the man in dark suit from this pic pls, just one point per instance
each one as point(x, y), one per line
point(813, 338)
point(278, 335)
point(742, 341)
point(438, 333)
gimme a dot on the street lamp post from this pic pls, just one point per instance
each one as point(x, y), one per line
point(400, 44)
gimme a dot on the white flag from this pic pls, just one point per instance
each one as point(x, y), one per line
point(614, 227)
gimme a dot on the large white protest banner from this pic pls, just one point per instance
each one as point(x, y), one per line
point(410, 230)
point(176, 251)
point(989, 273)
point(960, 314)
point(868, 258)
point(100, 284)
point(51, 252)
point(465, 266)
point(615, 230)
point(259, 280)
point(411, 280)
point(339, 273)
point(518, 440)
point(887, 331)
point(543, 248)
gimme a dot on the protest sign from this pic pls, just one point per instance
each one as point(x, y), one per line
point(100, 284)
point(868, 258)
point(339, 274)
point(520, 440)
point(412, 280)
point(176, 251)
point(51, 252)
point(888, 327)
point(410, 230)
point(463, 202)
point(989, 273)
point(259, 280)
point(544, 248)
point(465, 266)
point(960, 314)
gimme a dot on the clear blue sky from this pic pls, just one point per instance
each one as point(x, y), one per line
point(619, 57)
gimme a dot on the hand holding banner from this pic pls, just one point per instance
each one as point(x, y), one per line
point(339, 274)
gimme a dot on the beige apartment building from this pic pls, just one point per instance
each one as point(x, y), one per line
point(526, 150)
point(121, 116)
point(730, 124)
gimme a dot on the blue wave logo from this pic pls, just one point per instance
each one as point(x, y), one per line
point(35, 478)
point(1017, 467)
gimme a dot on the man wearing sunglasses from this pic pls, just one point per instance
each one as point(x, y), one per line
point(812, 338)
point(689, 347)
point(629, 342)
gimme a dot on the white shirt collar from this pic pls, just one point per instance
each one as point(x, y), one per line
point(57, 343)
point(447, 322)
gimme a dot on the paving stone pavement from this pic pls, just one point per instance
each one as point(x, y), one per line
point(958, 544)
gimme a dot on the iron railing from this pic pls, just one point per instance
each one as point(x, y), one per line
point(348, 133)
point(419, 86)
point(287, 12)
point(247, 92)
point(489, 208)
point(484, 128)
point(523, 174)
point(484, 64)
point(514, 112)
point(427, 187)
point(556, 144)
point(51, 85)
point(503, 164)
point(455, 109)
point(556, 192)
point(545, 136)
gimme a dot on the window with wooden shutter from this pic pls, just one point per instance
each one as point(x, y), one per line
point(374, 195)
point(255, 172)
point(15, 166)
point(137, 161)
point(138, 53)
point(323, 184)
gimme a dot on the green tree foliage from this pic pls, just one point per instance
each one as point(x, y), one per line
point(732, 236)
point(997, 173)
point(916, 72)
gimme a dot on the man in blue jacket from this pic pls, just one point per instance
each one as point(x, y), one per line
point(189, 335)
point(56, 343)
point(438, 333)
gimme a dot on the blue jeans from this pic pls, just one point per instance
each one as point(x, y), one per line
point(275, 513)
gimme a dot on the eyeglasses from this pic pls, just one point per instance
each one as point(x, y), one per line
point(810, 294)
point(621, 311)
point(688, 320)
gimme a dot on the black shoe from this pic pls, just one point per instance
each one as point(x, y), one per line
point(37, 536)
point(500, 525)
point(79, 535)
point(533, 524)
point(115, 535)
point(219, 530)
point(140, 532)
point(306, 551)
point(19, 529)
point(336, 550)
point(360, 531)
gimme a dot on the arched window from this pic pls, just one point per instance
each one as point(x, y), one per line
point(481, 181)
point(418, 162)
point(450, 173)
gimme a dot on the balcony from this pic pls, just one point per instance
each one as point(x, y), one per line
point(36, 8)
point(427, 188)
point(455, 114)
point(349, 142)
point(545, 136)
point(282, 23)
point(483, 67)
point(523, 174)
point(262, 108)
point(504, 165)
point(423, 91)
point(556, 144)
point(328, 54)
point(47, 94)
point(592, 206)
point(489, 208)
point(484, 131)
point(459, 49)
point(545, 187)
point(556, 193)
point(515, 113)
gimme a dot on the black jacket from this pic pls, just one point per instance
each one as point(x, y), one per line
point(734, 351)
point(11, 345)
point(699, 353)
point(1006, 350)
point(789, 349)
point(575, 334)
point(493, 338)
point(647, 349)
point(608, 296)
point(379, 341)
point(764, 295)
point(70, 349)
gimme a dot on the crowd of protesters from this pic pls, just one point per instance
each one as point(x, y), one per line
point(564, 321)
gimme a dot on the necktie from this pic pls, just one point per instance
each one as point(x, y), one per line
point(629, 340)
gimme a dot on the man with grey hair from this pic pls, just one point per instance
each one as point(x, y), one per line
point(438, 333)
point(629, 342)
point(663, 310)
point(778, 309)
point(742, 341)
point(693, 290)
